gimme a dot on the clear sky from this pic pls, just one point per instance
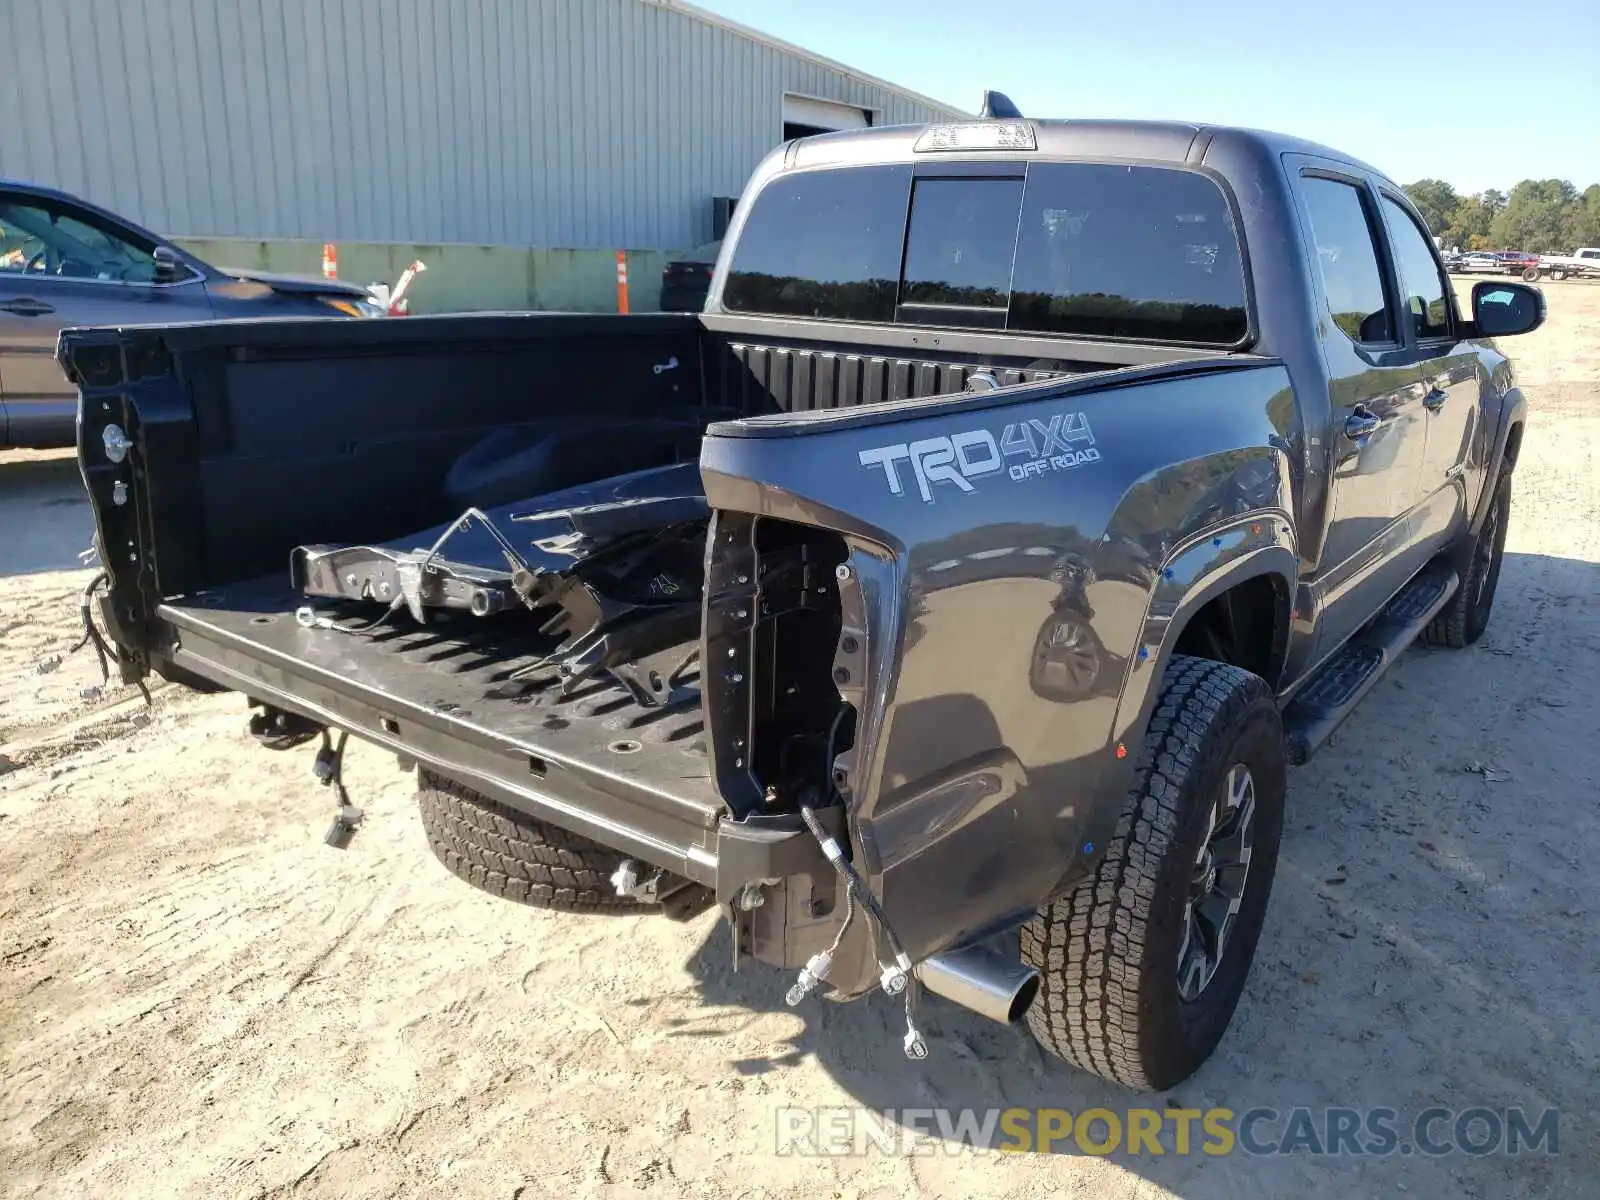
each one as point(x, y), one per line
point(1469, 91)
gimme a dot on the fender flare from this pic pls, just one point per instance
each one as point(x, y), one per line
point(1193, 575)
point(1513, 415)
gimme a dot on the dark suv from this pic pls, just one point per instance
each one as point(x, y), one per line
point(686, 279)
point(64, 262)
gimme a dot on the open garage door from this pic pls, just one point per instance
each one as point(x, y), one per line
point(804, 116)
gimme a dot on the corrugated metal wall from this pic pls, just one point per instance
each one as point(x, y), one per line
point(582, 123)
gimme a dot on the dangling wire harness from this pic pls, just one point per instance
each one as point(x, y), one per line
point(895, 976)
point(329, 770)
point(93, 637)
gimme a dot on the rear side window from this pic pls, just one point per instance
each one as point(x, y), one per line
point(1421, 285)
point(1347, 257)
point(1089, 249)
point(823, 244)
point(1128, 252)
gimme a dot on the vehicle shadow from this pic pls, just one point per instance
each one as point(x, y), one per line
point(44, 512)
point(1429, 941)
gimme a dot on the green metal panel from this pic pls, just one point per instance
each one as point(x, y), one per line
point(462, 278)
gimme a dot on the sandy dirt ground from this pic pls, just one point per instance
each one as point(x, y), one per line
point(198, 998)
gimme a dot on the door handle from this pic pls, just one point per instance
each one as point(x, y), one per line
point(27, 307)
point(1435, 398)
point(1361, 424)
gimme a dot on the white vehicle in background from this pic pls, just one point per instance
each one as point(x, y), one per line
point(1584, 261)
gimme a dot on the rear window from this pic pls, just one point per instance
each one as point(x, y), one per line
point(1088, 249)
point(960, 242)
point(823, 244)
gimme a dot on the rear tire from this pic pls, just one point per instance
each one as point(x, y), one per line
point(516, 857)
point(1110, 949)
point(1463, 620)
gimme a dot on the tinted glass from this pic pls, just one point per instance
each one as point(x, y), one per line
point(959, 246)
point(50, 241)
point(1348, 258)
point(21, 249)
point(1127, 252)
point(823, 244)
point(1421, 285)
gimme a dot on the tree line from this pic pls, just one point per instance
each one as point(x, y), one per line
point(1541, 216)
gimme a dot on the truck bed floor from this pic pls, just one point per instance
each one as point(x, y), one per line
point(595, 761)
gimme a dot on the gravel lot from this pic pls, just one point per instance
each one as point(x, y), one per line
point(198, 998)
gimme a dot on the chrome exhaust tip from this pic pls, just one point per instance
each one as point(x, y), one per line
point(990, 985)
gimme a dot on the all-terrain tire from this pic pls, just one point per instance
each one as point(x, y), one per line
point(1108, 948)
point(510, 854)
point(1462, 621)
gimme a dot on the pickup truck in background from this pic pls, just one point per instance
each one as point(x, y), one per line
point(1519, 263)
point(1582, 263)
point(1027, 498)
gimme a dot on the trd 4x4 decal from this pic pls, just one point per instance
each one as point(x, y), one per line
point(1024, 450)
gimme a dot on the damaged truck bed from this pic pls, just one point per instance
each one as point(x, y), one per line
point(1019, 509)
point(589, 758)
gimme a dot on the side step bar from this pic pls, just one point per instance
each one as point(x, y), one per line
point(1330, 695)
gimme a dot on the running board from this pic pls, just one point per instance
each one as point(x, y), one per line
point(1330, 695)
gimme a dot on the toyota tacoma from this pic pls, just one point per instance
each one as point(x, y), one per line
point(1027, 498)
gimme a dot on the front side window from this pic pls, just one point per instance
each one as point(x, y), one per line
point(39, 238)
point(1347, 259)
point(1422, 287)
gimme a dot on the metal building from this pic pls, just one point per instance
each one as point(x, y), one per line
point(554, 123)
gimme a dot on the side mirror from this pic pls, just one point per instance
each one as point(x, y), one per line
point(1502, 309)
point(169, 268)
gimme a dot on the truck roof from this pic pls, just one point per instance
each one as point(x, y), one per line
point(1144, 141)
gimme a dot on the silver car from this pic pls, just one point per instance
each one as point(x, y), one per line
point(65, 262)
point(1479, 262)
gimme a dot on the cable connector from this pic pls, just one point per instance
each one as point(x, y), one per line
point(916, 1049)
point(894, 976)
point(813, 973)
point(309, 618)
point(343, 827)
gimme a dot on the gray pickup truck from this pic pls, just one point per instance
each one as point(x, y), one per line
point(1027, 498)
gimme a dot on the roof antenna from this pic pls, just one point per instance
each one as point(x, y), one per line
point(997, 105)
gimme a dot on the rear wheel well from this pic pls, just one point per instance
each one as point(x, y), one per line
point(1246, 626)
